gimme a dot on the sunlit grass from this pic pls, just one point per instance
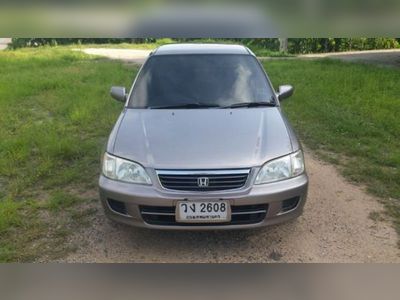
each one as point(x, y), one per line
point(349, 114)
point(56, 114)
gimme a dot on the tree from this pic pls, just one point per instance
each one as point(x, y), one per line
point(283, 45)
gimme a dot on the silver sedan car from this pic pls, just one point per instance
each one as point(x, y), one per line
point(202, 144)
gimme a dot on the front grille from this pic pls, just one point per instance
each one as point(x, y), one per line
point(241, 215)
point(216, 180)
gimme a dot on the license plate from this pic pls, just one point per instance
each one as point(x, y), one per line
point(203, 211)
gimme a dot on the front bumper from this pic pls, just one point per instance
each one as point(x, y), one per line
point(133, 197)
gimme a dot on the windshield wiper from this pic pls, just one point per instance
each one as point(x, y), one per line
point(250, 104)
point(188, 105)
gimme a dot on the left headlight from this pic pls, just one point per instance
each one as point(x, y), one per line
point(282, 168)
point(124, 170)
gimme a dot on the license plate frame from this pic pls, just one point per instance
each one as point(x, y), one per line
point(195, 211)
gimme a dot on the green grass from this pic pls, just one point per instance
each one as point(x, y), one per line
point(349, 114)
point(56, 114)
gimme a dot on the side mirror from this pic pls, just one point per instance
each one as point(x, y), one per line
point(118, 93)
point(285, 91)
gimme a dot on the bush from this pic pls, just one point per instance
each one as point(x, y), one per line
point(317, 45)
point(296, 45)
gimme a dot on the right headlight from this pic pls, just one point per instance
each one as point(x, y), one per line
point(124, 170)
point(281, 168)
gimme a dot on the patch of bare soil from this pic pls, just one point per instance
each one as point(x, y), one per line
point(389, 58)
point(336, 227)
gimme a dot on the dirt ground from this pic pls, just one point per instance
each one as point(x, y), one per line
point(4, 43)
point(335, 227)
point(126, 55)
point(389, 58)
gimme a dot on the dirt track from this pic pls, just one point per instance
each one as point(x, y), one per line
point(389, 57)
point(335, 227)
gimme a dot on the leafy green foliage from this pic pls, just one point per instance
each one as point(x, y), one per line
point(296, 45)
point(316, 45)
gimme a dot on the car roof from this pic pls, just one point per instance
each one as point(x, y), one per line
point(172, 49)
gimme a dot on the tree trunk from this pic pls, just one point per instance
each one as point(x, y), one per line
point(283, 45)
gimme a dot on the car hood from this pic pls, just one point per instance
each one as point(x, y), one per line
point(201, 138)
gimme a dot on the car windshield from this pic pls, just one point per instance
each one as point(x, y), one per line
point(200, 81)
